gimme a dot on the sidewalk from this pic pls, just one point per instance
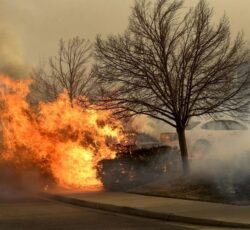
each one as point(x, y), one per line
point(186, 211)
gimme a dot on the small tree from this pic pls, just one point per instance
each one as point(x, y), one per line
point(174, 66)
point(68, 70)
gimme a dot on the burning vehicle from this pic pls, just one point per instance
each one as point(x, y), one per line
point(144, 161)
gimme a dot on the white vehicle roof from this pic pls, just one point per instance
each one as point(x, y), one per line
point(199, 124)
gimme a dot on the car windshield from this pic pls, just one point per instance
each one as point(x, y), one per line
point(215, 125)
point(223, 125)
point(233, 125)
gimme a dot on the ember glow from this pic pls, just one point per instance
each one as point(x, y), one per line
point(60, 138)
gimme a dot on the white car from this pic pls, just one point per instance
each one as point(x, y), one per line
point(203, 135)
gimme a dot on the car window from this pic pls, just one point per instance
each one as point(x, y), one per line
point(215, 125)
point(234, 125)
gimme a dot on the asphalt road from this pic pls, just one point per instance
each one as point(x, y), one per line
point(32, 213)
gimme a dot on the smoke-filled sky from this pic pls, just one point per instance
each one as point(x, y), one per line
point(30, 29)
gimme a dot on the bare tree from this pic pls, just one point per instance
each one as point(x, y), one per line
point(44, 87)
point(173, 65)
point(68, 70)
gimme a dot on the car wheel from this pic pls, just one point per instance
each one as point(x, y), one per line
point(200, 149)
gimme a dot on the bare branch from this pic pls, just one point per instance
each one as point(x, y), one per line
point(68, 70)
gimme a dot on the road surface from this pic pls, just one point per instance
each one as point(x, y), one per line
point(32, 213)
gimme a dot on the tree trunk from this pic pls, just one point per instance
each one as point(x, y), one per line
point(71, 98)
point(183, 148)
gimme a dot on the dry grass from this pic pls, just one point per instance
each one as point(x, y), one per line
point(190, 188)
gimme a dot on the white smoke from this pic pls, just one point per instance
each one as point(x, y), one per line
point(150, 126)
point(12, 60)
point(227, 165)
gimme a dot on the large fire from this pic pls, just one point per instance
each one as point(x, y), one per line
point(60, 138)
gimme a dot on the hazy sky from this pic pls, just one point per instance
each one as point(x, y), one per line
point(33, 27)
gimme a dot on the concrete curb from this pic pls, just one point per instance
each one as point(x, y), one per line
point(144, 213)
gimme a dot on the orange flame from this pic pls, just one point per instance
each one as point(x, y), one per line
point(64, 140)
